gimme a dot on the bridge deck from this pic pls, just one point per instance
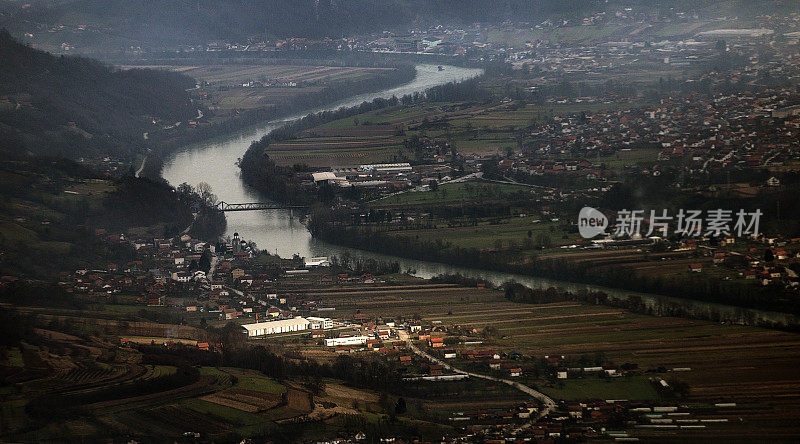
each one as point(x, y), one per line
point(254, 206)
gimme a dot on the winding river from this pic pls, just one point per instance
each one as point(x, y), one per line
point(278, 231)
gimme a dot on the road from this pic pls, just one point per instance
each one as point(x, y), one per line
point(214, 261)
point(547, 402)
point(139, 171)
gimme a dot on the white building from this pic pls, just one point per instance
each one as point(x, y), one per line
point(320, 323)
point(350, 340)
point(273, 327)
point(181, 277)
point(387, 167)
point(316, 262)
point(330, 177)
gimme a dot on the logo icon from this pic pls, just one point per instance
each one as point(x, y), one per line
point(591, 222)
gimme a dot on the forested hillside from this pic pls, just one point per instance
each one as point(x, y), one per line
point(55, 215)
point(75, 107)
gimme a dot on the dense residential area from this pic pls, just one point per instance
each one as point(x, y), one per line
point(399, 221)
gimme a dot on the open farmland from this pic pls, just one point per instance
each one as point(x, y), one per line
point(218, 403)
point(753, 367)
point(377, 136)
point(237, 74)
point(240, 87)
point(457, 193)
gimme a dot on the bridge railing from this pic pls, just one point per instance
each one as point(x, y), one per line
point(254, 206)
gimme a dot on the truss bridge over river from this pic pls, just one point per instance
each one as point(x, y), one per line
point(255, 206)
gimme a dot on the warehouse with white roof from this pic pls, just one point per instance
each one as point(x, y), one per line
point(273, 327)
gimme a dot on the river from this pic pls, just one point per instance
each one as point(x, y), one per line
point(279, 231)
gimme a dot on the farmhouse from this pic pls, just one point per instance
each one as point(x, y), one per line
point(272, 327)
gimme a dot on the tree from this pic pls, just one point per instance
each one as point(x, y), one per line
point(207, 198)
point(205, 261)
point(400, 406)
point(384, 402)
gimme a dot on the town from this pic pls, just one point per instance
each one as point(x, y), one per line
point(272, 301)
point(399, 221)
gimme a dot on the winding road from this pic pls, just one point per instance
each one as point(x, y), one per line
point(141, 167)
point(547, 402)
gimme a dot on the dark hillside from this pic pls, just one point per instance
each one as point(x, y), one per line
point(76, 107)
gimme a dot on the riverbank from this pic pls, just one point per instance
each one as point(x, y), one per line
point(695, 289)
point(289, 184)
point(214, 161)
point(163, 145)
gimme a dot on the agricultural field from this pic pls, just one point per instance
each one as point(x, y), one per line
point(510, 233)
point(627, 158)
point(220, 403)
point(377, 136)
point(753, 367)
point(610, 30)
point(243, 87)
point(229, 75)
point(632, 387)
point(456, 193)
point(535, 233)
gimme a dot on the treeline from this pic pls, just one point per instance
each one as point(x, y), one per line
point(460, 279)
point(143, 202)
point(369, 373)
point(77, 107)
point(516, 292)
point(360, 265)
point(209, 224)
point(695, 287)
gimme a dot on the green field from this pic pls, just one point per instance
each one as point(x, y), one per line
point(157, 371)
point(14, 357)
point(531, 231)
point(244, 422)
point(252, 380)
point(509, 233)
point(456, 193)
point(377, 136)
point(626, 387)
point(627, 158)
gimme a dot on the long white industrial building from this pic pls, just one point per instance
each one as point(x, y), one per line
point(349, 340)
point(273, 327)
